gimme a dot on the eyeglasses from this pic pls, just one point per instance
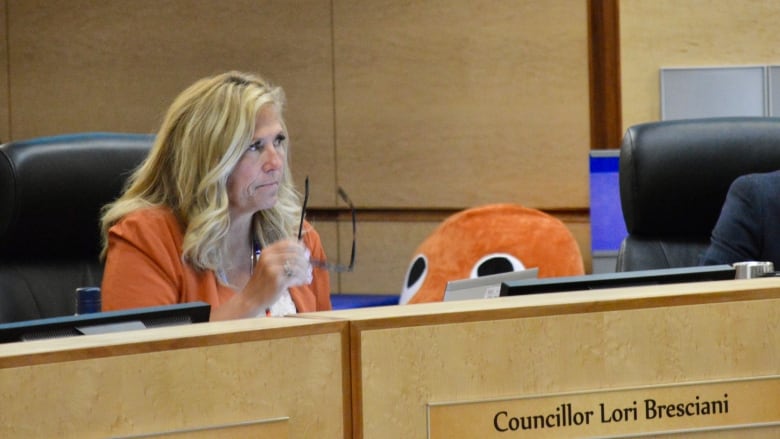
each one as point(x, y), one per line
point(339, 268)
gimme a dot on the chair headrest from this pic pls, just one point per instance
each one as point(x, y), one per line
point(52, 190)
point(674, 175)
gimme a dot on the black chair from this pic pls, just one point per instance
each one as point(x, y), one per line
point(674, 176)
point(51, 192)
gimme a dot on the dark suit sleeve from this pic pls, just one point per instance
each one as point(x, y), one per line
point(737, 235)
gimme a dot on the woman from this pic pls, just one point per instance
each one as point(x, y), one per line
point(212, 215)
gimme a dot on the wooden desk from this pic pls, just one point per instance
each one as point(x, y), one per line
point(417, 371)
point(408, 361)
point(261, 377)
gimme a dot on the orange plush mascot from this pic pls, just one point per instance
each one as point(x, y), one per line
point(490, 239)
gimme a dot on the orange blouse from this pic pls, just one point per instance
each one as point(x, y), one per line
point(144, 267)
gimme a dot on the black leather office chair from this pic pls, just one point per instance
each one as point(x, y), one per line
point(674, 176)
point(51, 192)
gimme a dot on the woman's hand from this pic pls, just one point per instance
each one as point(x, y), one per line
point(281, 265)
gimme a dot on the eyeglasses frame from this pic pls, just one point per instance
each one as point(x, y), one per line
point(338, 268)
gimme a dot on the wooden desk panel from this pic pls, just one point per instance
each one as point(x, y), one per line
point(168, 379)
point(406, 357)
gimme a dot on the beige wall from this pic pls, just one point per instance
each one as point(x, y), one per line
point(443, 106)
point(689, 33)
point(116, 65)
point(408, 105)
point(4, 106)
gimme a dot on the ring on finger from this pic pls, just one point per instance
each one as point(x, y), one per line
point(288, 269)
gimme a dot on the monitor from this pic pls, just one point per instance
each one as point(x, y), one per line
point(484, 287)
point(104, 322)
point(607, 227)
point(619, 279)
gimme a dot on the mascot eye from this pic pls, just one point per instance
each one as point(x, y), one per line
point(415, 277)
point(496, 263)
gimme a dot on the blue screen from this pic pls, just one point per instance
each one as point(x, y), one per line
point(608, 229)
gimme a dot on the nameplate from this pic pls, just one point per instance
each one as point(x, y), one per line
point(277, 428)
point(700, 406)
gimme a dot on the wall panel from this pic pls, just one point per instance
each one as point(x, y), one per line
point(4, 107)
point(384, 251)
point(442, 105)
point(689, 33)
point(117, 65)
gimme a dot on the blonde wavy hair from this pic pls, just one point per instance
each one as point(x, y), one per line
point(203, 135)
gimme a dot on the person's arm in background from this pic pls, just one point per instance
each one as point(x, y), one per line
point(738, 234)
